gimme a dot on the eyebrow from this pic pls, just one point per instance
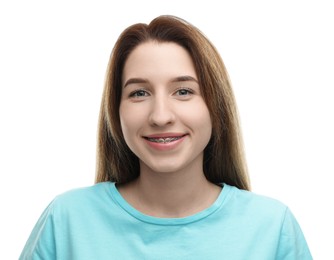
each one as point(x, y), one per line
point(141, 80)
point(184, 78)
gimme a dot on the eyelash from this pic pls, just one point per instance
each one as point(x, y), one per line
point(135, 93)
point(189, 91)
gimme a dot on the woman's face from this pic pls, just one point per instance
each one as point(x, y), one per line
point(164, 118)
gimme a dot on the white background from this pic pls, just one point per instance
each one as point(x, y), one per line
point(53, 58)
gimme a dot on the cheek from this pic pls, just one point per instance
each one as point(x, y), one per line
point(206, 124)
point(201, 113)
point(198, 117)
point(131, 120)
point(126, 120)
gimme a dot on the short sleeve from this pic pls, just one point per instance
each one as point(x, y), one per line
point(41, 242)
point(292, 243)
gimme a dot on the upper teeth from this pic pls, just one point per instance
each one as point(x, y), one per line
point(163, 140)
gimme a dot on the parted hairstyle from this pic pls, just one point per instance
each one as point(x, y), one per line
point(224, 160)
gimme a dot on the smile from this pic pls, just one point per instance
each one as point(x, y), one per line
point(163, 140)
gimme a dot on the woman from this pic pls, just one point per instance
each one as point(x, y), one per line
point(171, 179)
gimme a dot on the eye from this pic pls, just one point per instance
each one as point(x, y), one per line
point(138, 93)
point(184, 92)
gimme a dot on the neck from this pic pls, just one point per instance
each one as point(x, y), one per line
point(170, 194)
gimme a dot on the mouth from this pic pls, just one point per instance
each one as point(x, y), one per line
point(163, 140)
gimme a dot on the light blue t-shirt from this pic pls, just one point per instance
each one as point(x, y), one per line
point(97, 223)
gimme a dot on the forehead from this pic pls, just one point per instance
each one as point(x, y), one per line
point(158, 60)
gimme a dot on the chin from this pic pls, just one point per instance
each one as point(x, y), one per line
point(164, 167)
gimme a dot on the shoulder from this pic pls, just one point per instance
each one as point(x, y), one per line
point(256, 205)
point(85, 192)
point(254, 198)
point(83, 197)
point(270, 219)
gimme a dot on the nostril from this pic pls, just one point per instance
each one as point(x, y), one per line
point(161, 114)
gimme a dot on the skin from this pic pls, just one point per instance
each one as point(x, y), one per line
point(167, 124)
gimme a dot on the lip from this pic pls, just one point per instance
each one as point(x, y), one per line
point(165, 146)
point(165, 135)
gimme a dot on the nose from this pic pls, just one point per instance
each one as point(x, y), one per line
point(161, 113)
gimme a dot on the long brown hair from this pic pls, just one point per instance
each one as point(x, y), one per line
point(224, 160)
